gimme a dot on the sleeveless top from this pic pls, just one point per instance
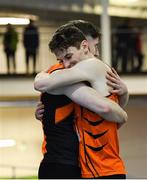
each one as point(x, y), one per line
point(98, 146)
point(60, 143)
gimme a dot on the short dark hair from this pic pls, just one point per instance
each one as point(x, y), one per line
point(66, 36)
point(87, 28)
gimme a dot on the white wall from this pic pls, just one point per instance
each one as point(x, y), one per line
point(23, 87)
point(19, 124)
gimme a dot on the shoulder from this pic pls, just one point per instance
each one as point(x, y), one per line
point(93, 64)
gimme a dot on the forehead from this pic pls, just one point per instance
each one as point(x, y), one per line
point(60, 54)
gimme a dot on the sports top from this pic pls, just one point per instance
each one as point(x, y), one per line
point(60, 143)
point(98, 146)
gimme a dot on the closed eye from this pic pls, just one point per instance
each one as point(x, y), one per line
point(68, 56)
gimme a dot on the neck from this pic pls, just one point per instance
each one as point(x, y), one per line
point(89, 55)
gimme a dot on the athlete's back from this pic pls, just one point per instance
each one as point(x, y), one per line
point(60, 145)
point(98, 146)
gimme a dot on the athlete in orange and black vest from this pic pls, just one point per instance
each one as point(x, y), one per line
point(98, 146)
point(60, 146)
point(98, 138)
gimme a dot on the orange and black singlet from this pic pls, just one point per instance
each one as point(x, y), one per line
point(98, 146)
point(60, 140)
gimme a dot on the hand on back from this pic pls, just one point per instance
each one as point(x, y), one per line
point(116, 83)
point(39, 111)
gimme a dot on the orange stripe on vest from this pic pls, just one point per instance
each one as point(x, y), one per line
point(63, 112)
point(98, 146)
point(44, 145)
point(52, 68)
point(55, 67)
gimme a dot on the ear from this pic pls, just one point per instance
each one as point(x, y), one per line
point(84, 45)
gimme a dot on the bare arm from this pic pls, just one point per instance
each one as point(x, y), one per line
point(119, 87)
point(92, 100)
point(91, 70)
point(86, 98)
point(58, 79)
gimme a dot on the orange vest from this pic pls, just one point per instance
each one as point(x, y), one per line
point(55, 67)
point(52, 68)
point(98, 146)
point(63, 112)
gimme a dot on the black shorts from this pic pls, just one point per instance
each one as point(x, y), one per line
point(58, 171)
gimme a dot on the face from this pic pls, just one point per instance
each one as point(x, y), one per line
point(72, 55)
point(94, 45)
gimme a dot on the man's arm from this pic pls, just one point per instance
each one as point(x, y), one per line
point(45, 82)
point(82, 71)
point(119, 87)
point(91, 99)
point(91, 70)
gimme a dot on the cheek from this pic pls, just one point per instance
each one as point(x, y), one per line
point(77, 56)
point(76, 60)
point(91, 48)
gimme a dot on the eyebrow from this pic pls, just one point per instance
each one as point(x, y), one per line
point(68, 54)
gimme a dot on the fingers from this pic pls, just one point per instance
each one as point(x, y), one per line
point(112, 79)
point(40, 105)
point(110, 73)
point(39, 114)
point(39, 111)
point(39, 117)
point(113, 85)
point(115, 91)
point(114, 71)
